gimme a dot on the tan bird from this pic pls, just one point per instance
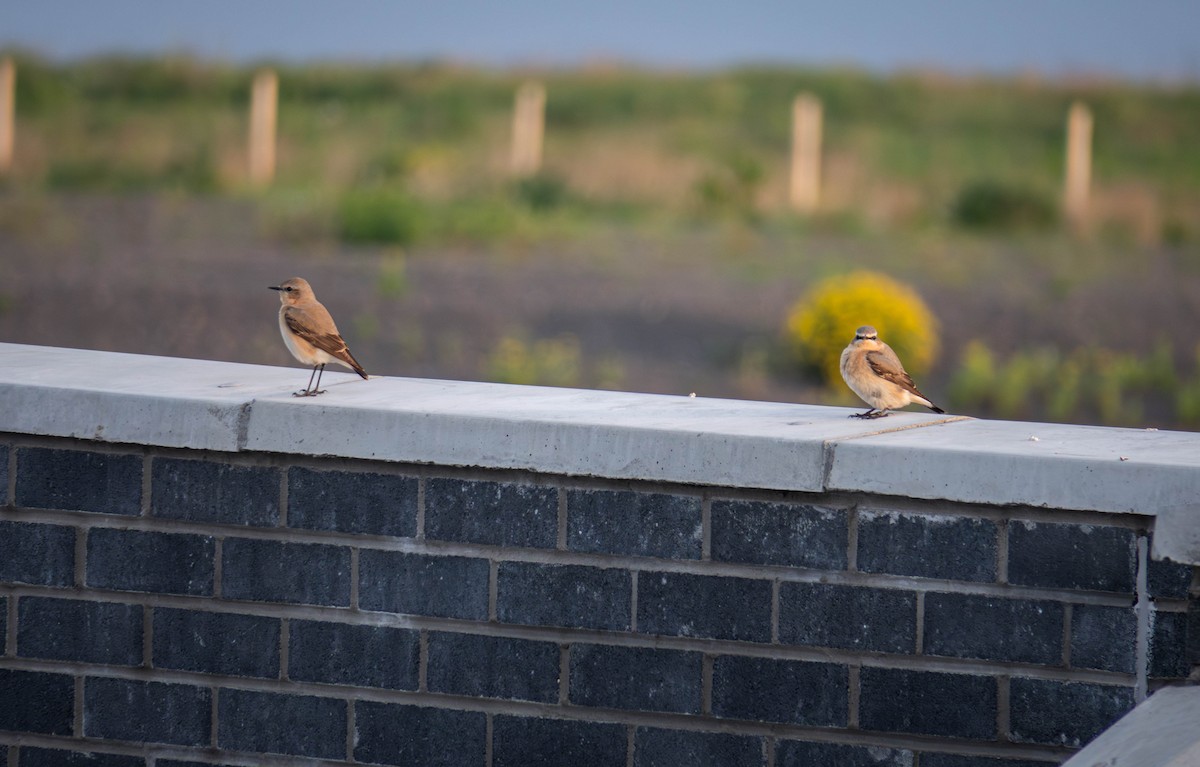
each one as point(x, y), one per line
point(873, 371)
point(310, 334)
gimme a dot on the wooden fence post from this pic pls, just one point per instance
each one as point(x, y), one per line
point(1079, 163)
point(8, 113)
point(263, 110)
point(806, 153)
point(528, 129)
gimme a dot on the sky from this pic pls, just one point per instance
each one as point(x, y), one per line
point(1133, 39)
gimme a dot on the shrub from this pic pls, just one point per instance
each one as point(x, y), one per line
point(821, 323)
point(993, 206)
point(544, 362)
point(379, 216)
point(543, 191)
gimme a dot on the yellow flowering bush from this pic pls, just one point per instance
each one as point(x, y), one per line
point(823, 321)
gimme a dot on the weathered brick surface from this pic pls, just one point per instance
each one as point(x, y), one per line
point(418, 584)
point(1168, 645)
point(765, 689)
point(78, 631)
point(791, 534)
point(850, 617)
point(53, 757)
point(352, 502)
point(927, 703)
point(520, 741)
point(638, 524)
point(274, 571)
point(1103, 637)
point(704, 606)
point(654, 747)
point(298, 725)
point(79, 480)
point(3, 484)
point(799, 753)
point(1064, 713)
point(216, 643)
point(497, 513)
point(1168, 579)
point(564, 595)
point(991, 628)
point(493, 667)
point(388, 733)
point(32, 701)
point(43, 555)
point(958, 760)
point(209, 491)
point(146, 712)
point(635, 678)
point(362, 656)
point(1072, 556)
point(166, 563)
point(927, 545)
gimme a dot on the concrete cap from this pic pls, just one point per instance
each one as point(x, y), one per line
point(770, 445)
point(1163, 731)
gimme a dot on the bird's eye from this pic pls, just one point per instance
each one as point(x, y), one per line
point(289, 290)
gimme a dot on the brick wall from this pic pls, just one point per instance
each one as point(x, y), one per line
point(169, 607)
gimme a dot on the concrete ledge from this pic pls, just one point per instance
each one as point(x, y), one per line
point(1164, 731)
point(231, 407)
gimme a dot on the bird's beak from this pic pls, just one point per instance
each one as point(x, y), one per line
point(274, 287)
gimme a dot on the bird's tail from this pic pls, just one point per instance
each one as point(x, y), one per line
point(353, 363)
point(936, 409)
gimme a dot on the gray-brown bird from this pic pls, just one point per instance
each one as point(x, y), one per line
point(873, 371)
point(310, 333)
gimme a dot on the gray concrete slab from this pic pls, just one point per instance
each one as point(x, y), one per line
point(619, 435)
point(1163, 731)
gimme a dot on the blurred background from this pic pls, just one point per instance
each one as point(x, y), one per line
point(655, 196)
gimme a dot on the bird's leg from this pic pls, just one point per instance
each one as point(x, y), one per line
point(872, 413)
point(307, 389)
point(317, 390)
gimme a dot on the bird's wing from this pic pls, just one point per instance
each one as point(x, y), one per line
point(300, 323)
point(885, 364)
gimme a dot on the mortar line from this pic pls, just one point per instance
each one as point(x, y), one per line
point(423, 661)
point(561, 539)
point(421, 482)
point(1002, 551)
point(10, 631)
point(285, 639)
point(769, 745)
point(1003, 713)
point(775, 607)
point(218, 565)
point(147, 490)
point(1143, 610)
point(284, 490)
point(706, 528)
point(564, 674)
point(81, 535)
point(489, 735)
point(10, 489)
point(351, 725)
point(919, 640)
point(77, 708)
point(148, 636)
point(630, 741)
point(14, 753)
point(633, 601)
point(706, 683)
point(1068, 618)
point(852, 539)
point(493, 589)
point(354, 571)
point(854, 695)
point(213, 712)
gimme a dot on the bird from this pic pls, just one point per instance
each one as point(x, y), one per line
point(873, 371)
point(310, 333)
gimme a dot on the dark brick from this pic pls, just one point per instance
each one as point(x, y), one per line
point(1072, 556)
point(49, 757)
point(493, 667)
point(497, 513)
point(927, 545)
point(851, 617)
point(363, 656)
point(1103, 637)
point(1064, 713)
point(708, 606)
point(146, 712)
point(800, 753)
point(638, 524)
point(31, 701)
point(637, 678)
point(77, 480)
point(990, 628)
point(563, 595)
point(274, 571)
point(3, 623)
point(175, 763)
point(387, 733)
point(927, 703)
point(166, 563)
point(417, 584)
point(768, 690)
point(957, 760)
point(529, 742)
point(207, 491)
point(268, 722)
point(1168, 579)
point(352, 502)
point(43, 555)
point(84, 632)
point(1168, 645)
point(653, 747)
point(789, 534)
point(3, 491)
point(216, 643)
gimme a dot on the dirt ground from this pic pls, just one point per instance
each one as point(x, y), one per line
point(189, 278)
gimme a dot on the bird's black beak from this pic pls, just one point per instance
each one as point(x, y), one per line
point(274, 287)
